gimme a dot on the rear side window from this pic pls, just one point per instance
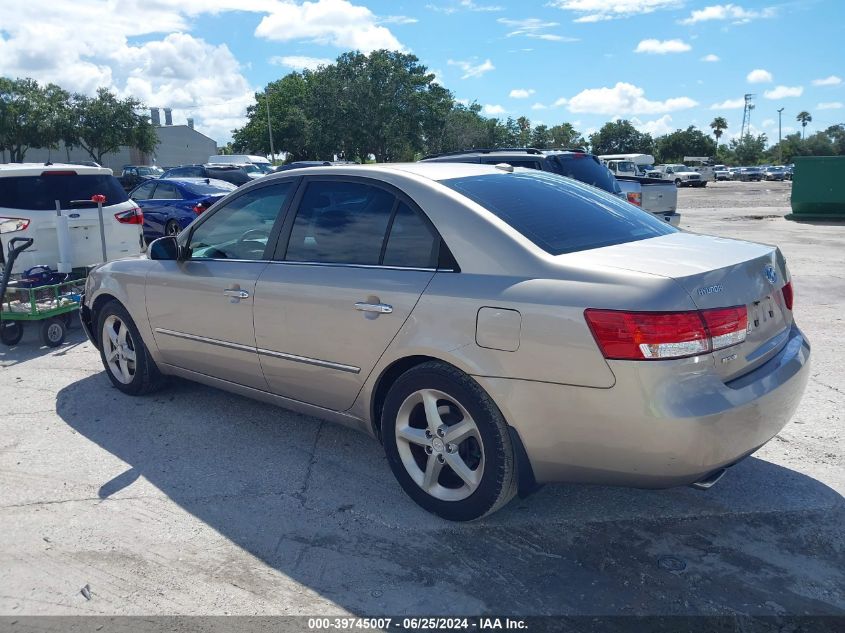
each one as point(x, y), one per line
point(340, 222)
point(558, 215)
point(411, 242)
point(39, 193)
point(585, 168)
point(166, 191)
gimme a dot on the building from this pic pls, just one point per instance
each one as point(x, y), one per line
point(178, 145)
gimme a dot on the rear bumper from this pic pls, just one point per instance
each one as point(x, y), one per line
point(667, 424)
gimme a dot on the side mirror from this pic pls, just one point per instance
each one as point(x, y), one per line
point(165, 249)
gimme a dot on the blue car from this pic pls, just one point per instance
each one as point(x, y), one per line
point(171, 204)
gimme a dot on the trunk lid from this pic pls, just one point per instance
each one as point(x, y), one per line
point(717, 273)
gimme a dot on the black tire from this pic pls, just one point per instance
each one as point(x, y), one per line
point(146, 377)
point(678, 182)
point(70, 319)
point(172, 228)
point(11, 332)
point(499, 481)
point(52, 331)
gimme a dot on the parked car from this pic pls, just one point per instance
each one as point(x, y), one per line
point(681, 175)
point(651, 194)
point(28, 196)
point(774, 173)
point(133, 175)
point(229, 173)
point(495, 328)
point(750, 174)
point(721, 172)
point(260, 162)
point(171, 204)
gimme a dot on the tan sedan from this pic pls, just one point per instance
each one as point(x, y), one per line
point(495, 328)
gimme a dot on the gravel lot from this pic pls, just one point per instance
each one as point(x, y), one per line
point(195, 501)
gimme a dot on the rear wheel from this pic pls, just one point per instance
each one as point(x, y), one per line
point(11, 332)
point(52, 331)
point(128, 364)
point(447, 443)
point(172, 228)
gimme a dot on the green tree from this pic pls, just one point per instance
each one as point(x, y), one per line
point(523, 138)
point(621, 137)
point(31, 116)
point(750, 150)
point(105, 123)
point(672, 147)
point(718, 125)
point(803, 118)
point(541, 138)
point(565, 136)
point(837, 138)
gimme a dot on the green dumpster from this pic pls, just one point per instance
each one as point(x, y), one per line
point(818, 188)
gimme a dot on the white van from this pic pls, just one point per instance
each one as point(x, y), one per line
point(28, 194)
point(240, 159)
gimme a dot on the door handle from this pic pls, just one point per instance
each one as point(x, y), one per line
point(237, 293)
point(380, 308)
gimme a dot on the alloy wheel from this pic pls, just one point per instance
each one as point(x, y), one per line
point(119, 349)
point(440, 445)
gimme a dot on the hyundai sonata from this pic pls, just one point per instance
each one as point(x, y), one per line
point(495, 328)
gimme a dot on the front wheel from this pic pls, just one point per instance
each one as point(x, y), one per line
point(53, 331)
point(172, 228)
point(447, 443)
point(128, 364)
point(11, 332)
point(677, 182)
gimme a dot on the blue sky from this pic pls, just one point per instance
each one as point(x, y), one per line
point(664, 64)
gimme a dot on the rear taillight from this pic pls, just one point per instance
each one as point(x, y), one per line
point(635, 198)
point(132, 216)
point(788, 295)
point(10, 225)
point(199, 208)
point(662, 335)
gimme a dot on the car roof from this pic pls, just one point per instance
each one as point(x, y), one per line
point(433, 170)
point(36, 169)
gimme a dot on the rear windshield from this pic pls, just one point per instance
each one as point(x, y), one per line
point(39, 193)
point(209, 189)
point(559, 215)
point(586, 168)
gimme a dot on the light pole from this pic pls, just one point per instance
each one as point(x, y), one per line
point(780, 146)
point(269, 128)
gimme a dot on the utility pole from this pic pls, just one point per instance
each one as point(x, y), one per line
point(746, 117)
point(269, 128)
point(780, 146)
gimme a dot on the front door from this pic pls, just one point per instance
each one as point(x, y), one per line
point(200, 309)
point(354, 266)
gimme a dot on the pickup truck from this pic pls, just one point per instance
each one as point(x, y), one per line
point(681, 175)
point(134, 175)
point(655, 195)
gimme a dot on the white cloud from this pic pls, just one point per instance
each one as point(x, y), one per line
point(768, 123)
point(780, 92)
point(759, 76)
point(336, 22)
point(732, 12)
point(300, 62)
point(599, 10)
point(560, 102)
point(662, 47)
point(534, 28)
point(829, 105)
point(833, 80)
point(624, 99)
point(521, 93)
point(658, 127)
point(710, 58)
point(539, 106)
point(729, 104)
point(397, 19)
point(493, 110)
point(472, 69)
point(466, 5)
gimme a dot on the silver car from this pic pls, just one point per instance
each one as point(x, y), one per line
point(496, 328)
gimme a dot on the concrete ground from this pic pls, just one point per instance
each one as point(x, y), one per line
point(194, 501)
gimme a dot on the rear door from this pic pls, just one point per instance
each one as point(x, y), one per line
point(160, 207)
point(350, 267)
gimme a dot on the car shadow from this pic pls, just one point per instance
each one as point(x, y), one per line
point(318, 503)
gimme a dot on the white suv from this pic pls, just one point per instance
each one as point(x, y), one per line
point(28, 195)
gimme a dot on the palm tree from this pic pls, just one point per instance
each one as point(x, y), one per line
point(803, 118)
point(719, 125)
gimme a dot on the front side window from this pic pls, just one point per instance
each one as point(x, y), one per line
point(241, 228)
point(340, 222)
point(143, 192)
point(558, 214)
